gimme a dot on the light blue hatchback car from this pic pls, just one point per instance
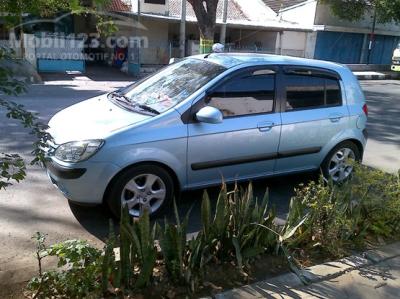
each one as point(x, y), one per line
point(204, 118)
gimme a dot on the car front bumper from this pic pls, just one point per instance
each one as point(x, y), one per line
point(85, 183)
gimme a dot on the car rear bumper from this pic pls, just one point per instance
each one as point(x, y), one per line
point(85, 184)
point(365, 133)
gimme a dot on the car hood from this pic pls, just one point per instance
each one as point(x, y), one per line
point(95, 118)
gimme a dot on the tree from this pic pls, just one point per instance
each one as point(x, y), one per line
point(206, 14)
point(354, 10)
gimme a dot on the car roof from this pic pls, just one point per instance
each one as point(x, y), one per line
point(230, 60)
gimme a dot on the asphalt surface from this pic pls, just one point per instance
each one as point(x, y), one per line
point(35, 205)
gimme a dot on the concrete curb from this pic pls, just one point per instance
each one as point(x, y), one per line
point(376, 76)
point(281, 284)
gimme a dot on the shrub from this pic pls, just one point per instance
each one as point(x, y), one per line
point(346, 216)
point(78, 274)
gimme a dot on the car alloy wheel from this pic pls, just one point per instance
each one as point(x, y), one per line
point(144, 191)
point(341, 164)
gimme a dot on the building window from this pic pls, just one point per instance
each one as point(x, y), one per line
point(252, 92)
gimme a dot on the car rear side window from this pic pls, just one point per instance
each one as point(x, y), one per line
point(309, 92)
point(251, 92)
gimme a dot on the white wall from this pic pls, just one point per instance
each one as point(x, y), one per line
point(151, 8)
point(291, 43)
point(156, 33)
point(310, 45)
point(324, 16)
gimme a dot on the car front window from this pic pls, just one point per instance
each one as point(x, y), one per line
point(173, 84)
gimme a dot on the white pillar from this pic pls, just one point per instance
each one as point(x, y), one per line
point(223, 26)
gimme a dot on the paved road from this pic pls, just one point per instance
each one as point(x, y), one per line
point(35, 205)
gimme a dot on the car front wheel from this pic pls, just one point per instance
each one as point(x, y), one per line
point(143, 187)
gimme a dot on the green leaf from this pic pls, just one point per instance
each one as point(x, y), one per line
point(238, 254)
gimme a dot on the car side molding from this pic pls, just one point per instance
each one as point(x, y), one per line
point(255, 158)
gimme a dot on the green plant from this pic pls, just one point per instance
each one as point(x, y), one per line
point(137, 249)
point(174, 247)
point(227, 235)
point(230, 234)
point(108, 265)
point(323, 218)
point(346, 216)
point(79, 270)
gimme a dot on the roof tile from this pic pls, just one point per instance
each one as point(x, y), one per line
point(118, 6)
point(234, 10)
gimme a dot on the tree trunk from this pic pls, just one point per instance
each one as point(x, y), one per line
point(21, 36)
point(206, 14)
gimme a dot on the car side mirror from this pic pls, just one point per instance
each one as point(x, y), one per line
point(209, 115)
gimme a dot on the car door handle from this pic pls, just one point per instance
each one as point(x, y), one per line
point(265, 126)
point(335, 118)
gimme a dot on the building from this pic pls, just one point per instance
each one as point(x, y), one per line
point(148, 34)
point(338, 40)
point(304, 28)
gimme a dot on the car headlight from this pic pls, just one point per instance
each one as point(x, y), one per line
point(77, 151)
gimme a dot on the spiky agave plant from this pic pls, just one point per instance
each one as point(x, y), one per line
point(173, 245)
point(230, 232)
point(137, 249)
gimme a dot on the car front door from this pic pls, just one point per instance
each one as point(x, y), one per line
point(312, 115)
point(245, 144)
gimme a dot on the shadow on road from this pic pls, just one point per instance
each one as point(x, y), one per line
point(383, 118)
point(96, 219)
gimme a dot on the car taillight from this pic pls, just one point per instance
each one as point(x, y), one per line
point(365, 109)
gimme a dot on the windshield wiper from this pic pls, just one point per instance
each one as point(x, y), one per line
point(120, 97)
point(148, 109)
point(131, 105)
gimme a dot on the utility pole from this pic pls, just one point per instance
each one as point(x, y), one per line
point(223, 26)
point(138, 22)
point(134, 45)
point(372, 37)
point(182, 35)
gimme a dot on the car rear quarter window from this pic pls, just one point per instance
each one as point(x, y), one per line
point(333, 92)
point(251, 92)
point(310, 92)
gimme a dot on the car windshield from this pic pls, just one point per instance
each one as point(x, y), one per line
point(171, 85)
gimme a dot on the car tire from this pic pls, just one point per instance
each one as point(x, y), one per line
point(336, 166)
point(143, 186)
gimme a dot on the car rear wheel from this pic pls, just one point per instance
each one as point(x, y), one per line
point(339, 163)
point(143, 187)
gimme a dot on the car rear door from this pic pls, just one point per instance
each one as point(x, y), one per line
point(313, 115)
point(245, 144)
